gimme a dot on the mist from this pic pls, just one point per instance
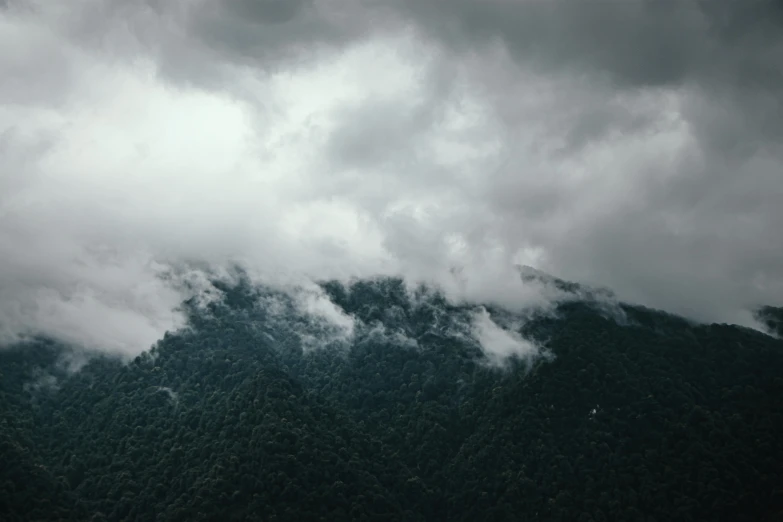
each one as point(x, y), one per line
point(139, 141)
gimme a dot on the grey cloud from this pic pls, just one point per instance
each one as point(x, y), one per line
point(633, 144)
point(720, 44)
point(689, 230)
point(265, 32)
point(204, 42)
point(702, 239)
point(598, 122)
point(732, 51)
point(635, 42)
point(369, 135)
point(373, 132)
point(268, 11)
point(689, 226)
point(25, 81)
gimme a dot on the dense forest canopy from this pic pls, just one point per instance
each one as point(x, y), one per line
point(377, 401)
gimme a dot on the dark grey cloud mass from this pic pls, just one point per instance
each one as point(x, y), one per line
point(632, 143)
point(700, 223)
point(729, 52)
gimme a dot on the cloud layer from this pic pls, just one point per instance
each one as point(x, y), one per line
point(630, 144)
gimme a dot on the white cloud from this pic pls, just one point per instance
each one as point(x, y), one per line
point(331, 323)
point(498, 344)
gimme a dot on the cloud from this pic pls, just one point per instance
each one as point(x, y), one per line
point(499, 344)
point(379, 333)
point(633, 145)
point(328, 323)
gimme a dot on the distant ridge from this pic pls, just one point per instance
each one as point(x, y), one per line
point(579, 290)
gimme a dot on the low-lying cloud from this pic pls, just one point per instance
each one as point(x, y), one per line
point(635, 146)
point(499, 344)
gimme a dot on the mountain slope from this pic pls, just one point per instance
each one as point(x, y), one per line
point(265, 411)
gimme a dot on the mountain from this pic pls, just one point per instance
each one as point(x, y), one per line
point(533, 275)
point(377, 401)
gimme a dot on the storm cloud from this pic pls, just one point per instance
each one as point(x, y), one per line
point(634, 145)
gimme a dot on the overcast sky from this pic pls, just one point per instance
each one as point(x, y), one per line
point(635, 144)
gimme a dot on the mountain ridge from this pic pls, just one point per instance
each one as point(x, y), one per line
point(268, 406)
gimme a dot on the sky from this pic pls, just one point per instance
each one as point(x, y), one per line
point(632, 144)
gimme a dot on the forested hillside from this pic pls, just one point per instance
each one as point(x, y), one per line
point(261, 411)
